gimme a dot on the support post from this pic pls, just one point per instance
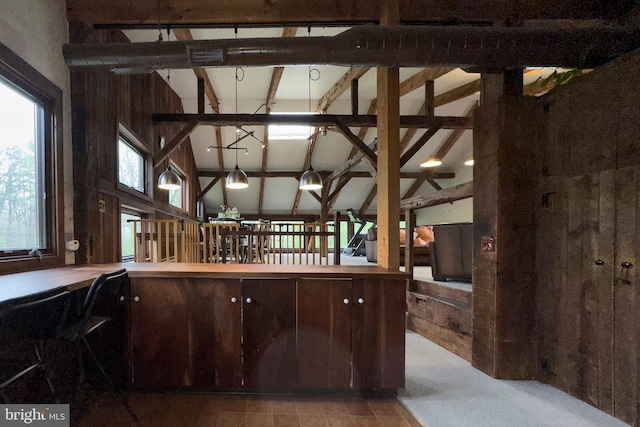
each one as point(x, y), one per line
point(336, 238)
point(388, 178)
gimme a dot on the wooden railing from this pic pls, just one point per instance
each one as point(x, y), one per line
point(231, 242)
point(166, 240)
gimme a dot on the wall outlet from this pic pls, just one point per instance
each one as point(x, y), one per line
point(488, 244)
point(102, 206)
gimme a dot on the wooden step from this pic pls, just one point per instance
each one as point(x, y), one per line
point(443, 290)
point(441, 314)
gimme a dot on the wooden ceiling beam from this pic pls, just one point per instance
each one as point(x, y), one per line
point(307, 164)
point(417, 145)
point(414, 187)
point(434, 184)
point(209, 186)
point(339, 187)
point(446, 195)
point(453, 137)
point(419, 121)
point(173, 144)
point(228, 13)
point(362, 147)
point(340, 87)
point(276, 76)
point(201, 74)
point(325, 101)
point(323, 174)
point(367, 202)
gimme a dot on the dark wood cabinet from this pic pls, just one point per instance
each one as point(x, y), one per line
point(186, 333)
point(324, 333)
point(269, 334)
point(378, 326)
point(351, 333)
point(159, 344)
point(215, 328)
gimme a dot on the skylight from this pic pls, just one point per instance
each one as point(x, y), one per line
point(289, 132)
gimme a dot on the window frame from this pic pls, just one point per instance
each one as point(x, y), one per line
point(124, 209)
point(183, 189)
point(18, 72)
point(128, 136)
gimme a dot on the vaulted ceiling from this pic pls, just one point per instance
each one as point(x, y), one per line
point(328, 89)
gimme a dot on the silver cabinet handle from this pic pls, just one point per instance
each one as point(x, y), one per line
point(360, 300)
point(136, 298)
point(234, 299)
point(346, 300)
point(248, 300)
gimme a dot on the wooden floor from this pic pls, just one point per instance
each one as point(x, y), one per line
point(217, 410)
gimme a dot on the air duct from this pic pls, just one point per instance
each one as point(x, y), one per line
point(373, 46)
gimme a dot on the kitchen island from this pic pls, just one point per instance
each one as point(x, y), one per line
point(254, 328)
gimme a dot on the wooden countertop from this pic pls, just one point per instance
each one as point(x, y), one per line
point(79, 276)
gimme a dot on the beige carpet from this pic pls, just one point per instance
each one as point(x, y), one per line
point(443, 390)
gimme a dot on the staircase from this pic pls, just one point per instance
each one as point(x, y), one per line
point(441, 312)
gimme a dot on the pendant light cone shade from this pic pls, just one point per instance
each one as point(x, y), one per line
point(431, 162)
point(169, 180)
point(310, 180)
point(237, 179)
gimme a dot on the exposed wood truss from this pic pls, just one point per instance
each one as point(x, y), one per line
point(276, 75)
point(417, 122)
point(327, 99)
point(446, 195)
point(350, 174)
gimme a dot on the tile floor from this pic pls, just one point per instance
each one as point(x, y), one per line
point(218, 410)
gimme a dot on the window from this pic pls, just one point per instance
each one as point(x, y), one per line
point(176, 197)
point(131, 170)
point(127, 237)
point(22, 202)
point(31, 170)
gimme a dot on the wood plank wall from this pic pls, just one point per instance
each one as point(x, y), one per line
point(100, 101)
point(589, 224)
point(576, 305)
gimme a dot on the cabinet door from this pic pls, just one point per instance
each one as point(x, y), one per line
point(378, 333)
point(324, 333)
point(159, 333)
point(215, 333)
point(269, 334)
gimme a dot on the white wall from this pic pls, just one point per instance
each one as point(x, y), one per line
point(35, 30)
point(459, 211)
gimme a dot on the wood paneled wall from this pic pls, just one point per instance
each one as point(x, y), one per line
point(100, 101)
point(589, 224)
point(578, 307)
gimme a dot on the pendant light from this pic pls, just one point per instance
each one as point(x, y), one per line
point(237, 178)
point(169, 180)
point(310, 179)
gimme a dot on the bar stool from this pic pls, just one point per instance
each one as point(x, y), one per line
point(38, 318)
point(100, 304)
